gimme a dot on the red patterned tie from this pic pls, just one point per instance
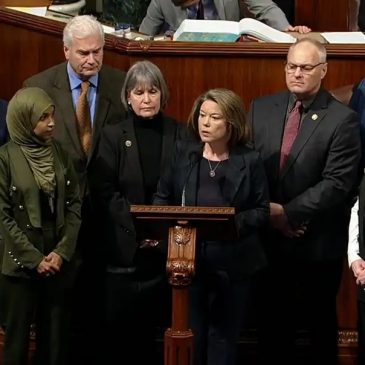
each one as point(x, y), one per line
point(290, 132)
point(83, 118)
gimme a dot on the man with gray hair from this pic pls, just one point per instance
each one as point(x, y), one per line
point(310, 145)
point(86, 94)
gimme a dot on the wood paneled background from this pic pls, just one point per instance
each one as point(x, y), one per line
point(31, 44)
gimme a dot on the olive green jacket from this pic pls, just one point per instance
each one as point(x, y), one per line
point(20, 211)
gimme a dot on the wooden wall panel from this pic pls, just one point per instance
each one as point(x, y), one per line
point(30, 45)
point(326, 15)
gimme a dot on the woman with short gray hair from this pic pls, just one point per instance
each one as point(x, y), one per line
point(131, 156)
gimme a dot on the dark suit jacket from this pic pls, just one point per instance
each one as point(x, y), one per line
point(120, 183)
point(316, 184)
point(245, 188)
point(357, 103)
point(109, 110)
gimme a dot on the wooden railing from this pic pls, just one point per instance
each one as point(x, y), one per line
point(31, 44)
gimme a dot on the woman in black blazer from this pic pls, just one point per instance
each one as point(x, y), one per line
point(219, 169)
point(130, 157)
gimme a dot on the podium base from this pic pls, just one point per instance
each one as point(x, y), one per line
point(178, 347)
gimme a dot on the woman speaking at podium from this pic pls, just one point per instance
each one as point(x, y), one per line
point(220, 169)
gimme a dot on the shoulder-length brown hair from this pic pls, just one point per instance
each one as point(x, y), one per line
point(233, 111)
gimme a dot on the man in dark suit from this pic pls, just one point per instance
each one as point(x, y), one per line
point(83, 39)
point(311, 187)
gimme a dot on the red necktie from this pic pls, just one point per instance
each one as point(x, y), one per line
point(290, 132)
point(83, 118)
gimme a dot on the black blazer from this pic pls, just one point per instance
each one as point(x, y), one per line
point(321, 174)
point(119, 183)
point(245, 188)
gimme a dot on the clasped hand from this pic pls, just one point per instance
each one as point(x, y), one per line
point(279, 221)
point(148, 243)
point(302, 29)
point(50, 265)
point(358, 268)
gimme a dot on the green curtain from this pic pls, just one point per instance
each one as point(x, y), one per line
point(125, 11)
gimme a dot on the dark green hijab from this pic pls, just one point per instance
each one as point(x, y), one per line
point(24, 111)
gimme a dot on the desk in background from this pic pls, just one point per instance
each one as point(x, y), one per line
point(31, 44)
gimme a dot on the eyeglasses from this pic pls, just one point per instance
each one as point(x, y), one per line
point(305, 69)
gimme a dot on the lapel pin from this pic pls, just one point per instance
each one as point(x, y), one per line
point(128, 143)
point(314, 117)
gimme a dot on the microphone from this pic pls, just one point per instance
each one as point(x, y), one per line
point(193, 160)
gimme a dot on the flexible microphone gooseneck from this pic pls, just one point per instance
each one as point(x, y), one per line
point(193, 160)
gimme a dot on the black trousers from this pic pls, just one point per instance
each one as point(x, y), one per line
point(1, 284)
point(88, 297)
point(135, 306)
point(361, 333)
point(218, 304)
point(296, 295)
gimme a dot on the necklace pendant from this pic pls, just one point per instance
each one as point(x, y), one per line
point(211, 173)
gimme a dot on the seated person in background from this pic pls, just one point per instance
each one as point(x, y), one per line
point(169, 14)
point(288, 7)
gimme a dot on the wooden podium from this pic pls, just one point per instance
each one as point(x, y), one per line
point(183, 226)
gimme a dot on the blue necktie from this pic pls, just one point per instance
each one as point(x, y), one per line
point(205, 9)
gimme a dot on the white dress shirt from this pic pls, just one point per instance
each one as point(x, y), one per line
point(353, 244)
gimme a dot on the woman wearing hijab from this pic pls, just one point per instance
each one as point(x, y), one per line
point(39, 222)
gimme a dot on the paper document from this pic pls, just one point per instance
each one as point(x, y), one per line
point(344, 37)
point(40, 11)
